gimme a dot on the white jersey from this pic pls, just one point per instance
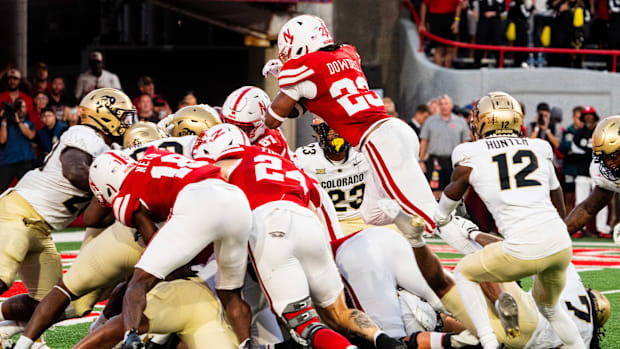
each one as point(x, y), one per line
point(180, 145)
point(577, 303)
point(513, 176)
point(344, 182)
point(48, 191)
point(602, 182)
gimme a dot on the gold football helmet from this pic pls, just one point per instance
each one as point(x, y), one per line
point(108, 110)
point(194, 119)
point(140, 133)
point(497, 114)
point(602, 307)
point(606, 146)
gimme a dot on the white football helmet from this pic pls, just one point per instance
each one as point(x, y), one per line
point(246, 108)
point(107, 174)
point(302, 35)
point(212, 142)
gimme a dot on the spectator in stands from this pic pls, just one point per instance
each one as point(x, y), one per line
point(433, 106)
point(188, 99)
point(146, 85)
point(422, 112)
point(490, 30)
point(14, 78)
point(614, 25)
point(16, 132)
point(569, 163)
point(50, 133)
point(145, 109)
point(566, 32)
point(543, 127)
point(440, 135)
point(443, 21)
point(582, 150)
point(41, 101)
point(72, 117)
point(599, 32)
point(40, 82)
point(390, 107)
point(519, 13)
point(96, 77)
point(59, 101)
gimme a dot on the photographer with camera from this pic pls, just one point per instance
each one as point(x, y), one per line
point(543, 127)
point(16, 132)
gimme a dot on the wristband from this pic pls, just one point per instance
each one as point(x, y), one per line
point(446, 206)
point(456, 19)
point(276, 116)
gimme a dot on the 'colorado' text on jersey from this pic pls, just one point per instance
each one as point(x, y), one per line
point(335, 89)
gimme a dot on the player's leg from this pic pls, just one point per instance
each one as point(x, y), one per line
point(371, 285)
point(108, 335)
point(326, 287)
point(103, 262)
point(273, 246)
point(548, 286)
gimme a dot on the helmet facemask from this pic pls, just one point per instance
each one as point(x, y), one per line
point(329, 140)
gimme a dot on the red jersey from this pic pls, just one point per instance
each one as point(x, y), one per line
point(441, 6)
point(274, 140)
point(265, 176)
point(156, 181)
point(334, 88)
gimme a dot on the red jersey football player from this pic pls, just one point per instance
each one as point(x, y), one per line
point(288, 247)
point(327, 78)
point(246, 108)
point(198, 207)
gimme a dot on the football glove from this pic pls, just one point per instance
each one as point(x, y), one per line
point(272, 67)
point(132, 340)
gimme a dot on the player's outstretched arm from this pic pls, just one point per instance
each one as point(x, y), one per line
point(97, 216)
point(75, 166)
point(587, 209)
point(143, 223)
point(459, 182)
point(134, 301)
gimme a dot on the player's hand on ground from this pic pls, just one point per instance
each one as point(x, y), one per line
point(272, 67)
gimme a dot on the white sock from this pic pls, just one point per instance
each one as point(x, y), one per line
point(160, 338)
point(436, 339)
point(100, 321)
point(451, 233)
point(563, 326)
point(476, 307)
point(23, 343)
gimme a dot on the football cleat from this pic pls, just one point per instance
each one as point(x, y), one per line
point(412, 227)
point(508, 311)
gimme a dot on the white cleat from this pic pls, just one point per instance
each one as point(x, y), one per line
point(412, 227)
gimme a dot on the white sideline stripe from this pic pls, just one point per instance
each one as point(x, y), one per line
point(610, 291)
point(585, 243)
point(75, 236)
point(71, 322)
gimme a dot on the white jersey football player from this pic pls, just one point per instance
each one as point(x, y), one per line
point(515, 178)
point(52, 196)
point(605, 174)
point(340, 170)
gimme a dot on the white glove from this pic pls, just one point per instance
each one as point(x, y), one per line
point(463, 339)
point(440, 220)
point(166, 124)
point(467, 227)
point(272, 67)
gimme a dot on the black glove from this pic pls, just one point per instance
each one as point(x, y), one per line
point(132, 340)
point(384, 341)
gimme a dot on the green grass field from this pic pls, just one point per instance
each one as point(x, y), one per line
point(603, 278)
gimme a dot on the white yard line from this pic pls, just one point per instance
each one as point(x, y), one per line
point(610, 291)
point(74, 236)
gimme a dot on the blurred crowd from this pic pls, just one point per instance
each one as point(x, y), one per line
point(36, 110)
point(573, 24)
point(441, 126)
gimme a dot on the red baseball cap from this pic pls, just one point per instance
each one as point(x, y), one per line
point(588, 109)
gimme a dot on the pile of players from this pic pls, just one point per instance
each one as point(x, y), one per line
point(206, 229)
